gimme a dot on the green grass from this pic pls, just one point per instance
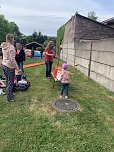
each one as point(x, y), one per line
point(32, 125)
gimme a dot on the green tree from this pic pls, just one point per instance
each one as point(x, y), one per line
point(29, 38)
point(60, 36)
point(92, 15)
point(8, 27)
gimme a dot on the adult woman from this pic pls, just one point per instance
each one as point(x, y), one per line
point(9, 64)
point(48, 57)
point(20, 56)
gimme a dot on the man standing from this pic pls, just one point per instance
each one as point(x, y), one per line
point(32, 53)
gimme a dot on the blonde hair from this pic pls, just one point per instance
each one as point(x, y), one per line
point(50, 45)
point(10, 38)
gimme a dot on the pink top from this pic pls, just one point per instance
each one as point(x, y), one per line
point(65, 76)
point(9, 53)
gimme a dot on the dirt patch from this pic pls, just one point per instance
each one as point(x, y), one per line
point(111, 97)
point(47, 109)
point(58, 124)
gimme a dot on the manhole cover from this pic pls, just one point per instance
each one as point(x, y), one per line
point(64, 105)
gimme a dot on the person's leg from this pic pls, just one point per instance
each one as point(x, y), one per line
point(67, 87)
point(10, 73)
point(5, 74)
point(18, 63)
point(47, 68)
point(62, 89)
point(21, 66)
point(50, 67)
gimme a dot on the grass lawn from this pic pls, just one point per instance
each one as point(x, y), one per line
point(31, 124)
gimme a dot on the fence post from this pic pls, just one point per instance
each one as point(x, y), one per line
point(89, 65)
point(75, 40)
point(67, 53)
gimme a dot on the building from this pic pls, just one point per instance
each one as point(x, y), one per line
point(80, 27)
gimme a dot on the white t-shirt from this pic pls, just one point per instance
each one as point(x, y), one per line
point(22, 82)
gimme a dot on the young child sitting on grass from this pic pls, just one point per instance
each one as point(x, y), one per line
point(2, 85)
point(65, 75)
point(23, 80)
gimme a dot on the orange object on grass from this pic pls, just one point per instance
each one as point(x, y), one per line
point(55, 69)
point(33, 64)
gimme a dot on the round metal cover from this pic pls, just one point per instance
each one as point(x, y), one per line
point(64, 105)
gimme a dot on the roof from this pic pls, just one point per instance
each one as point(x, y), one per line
point(109, 21)
point(34, 45)
point(101, 23)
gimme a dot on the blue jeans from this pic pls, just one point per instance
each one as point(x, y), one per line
point(20, 65)
point(64, 86)
point(48, 68)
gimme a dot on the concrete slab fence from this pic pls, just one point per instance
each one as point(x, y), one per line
point(94, 58)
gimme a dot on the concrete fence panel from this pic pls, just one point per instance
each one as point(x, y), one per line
point(104, 45)
point(103, 70)
point(103, 57)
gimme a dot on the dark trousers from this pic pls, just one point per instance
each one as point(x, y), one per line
point(64, 86)
point(32, 55)
point(9, 75)
point(41, 55)
point(48, 68)
point(20, 65)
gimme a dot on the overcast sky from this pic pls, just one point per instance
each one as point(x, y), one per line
point(48, 15)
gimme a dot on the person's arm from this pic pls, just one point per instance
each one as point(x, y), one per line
point(47, 53)
point(13, 61)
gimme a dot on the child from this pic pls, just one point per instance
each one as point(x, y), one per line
point(65, 74)
point(23, 84)
point(23, 80)
point(2, 85)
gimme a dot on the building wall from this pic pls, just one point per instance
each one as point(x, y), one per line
point(80, 27)
point(69, 31)
point(95, 58)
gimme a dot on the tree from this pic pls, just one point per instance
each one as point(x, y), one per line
point(9, 27)
point(92, 15)
point(60, 36)
point(35, 36)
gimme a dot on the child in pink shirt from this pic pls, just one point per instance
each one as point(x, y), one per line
point(65, 74)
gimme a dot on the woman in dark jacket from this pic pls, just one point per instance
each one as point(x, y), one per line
point(20, 56)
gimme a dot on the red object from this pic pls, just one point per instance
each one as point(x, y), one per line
point(60, 48)
point(28, 54)
point(55, 69)
point(47, 57)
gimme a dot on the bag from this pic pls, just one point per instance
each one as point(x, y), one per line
point(58, 77)
point(55, 69)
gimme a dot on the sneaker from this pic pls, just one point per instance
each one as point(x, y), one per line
point(66, 97)
point(3, 93)
point(12, 100)
point(61, 96)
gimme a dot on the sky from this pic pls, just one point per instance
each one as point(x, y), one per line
point(48, 15)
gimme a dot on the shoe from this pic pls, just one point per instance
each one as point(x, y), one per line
point(61, 96)
point(12, 100)
point(3, 93)
point(66, 97)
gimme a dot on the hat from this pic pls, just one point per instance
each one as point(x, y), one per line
point(65, 65)
point(23, 77)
